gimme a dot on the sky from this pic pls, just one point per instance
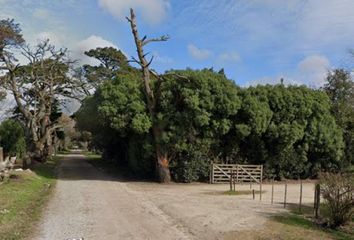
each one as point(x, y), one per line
point(255, 41)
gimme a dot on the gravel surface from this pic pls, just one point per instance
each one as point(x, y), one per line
point(88, 203)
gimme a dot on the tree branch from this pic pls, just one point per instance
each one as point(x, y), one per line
point(163, 38)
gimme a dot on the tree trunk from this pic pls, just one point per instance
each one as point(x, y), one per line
point(162, 168)
point(42, 148)
point(162, 161)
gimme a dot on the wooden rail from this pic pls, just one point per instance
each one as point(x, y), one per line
point(221, 173)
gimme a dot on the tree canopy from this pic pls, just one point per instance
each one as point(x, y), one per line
point(204, 118)
point(340, 89)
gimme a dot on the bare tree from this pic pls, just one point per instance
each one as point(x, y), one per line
point(37, 88)
point(162, 163)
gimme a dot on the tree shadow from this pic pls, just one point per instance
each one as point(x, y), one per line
point(78, 167)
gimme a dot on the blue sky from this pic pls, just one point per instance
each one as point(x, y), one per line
point(256, 41)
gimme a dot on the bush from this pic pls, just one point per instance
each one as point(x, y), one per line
point(191, 165)
point(337, 190)
point(12, 138)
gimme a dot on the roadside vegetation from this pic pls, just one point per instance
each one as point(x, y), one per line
point(22, 198)
point(296, 226)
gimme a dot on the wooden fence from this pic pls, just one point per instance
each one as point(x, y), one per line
point(221, 173)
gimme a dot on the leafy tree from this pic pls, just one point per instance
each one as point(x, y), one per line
point(122, 125)
point(193, 112)
point(288, 129)
point(205, 117)
point(340, 89)
point(12, 138)
point(110, 61)
point(10, 36)
point(195, 109)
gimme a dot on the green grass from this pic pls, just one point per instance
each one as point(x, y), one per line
point(300, 221)
point(304, 220)
point(93, 156)
point(64, 152)
point(22, 198)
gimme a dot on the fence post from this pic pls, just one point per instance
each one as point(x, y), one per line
point(237, 173)
point(260, 186)
point(300, 202)
point(285, 193)
point(1, 154)
point(212, 173)
point(230, 180)
point(317, 200)
point(253, 194)
point(233, 174)
point(272, 190)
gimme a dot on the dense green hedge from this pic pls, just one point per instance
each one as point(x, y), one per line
point(206, 118)
point(288, 129)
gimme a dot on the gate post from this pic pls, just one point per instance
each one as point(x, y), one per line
point(230, 180)
point(260, 186)
point(211, 178)
point(1, 154)
point(237, 173)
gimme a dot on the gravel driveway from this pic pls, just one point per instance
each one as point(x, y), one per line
point(88, 203)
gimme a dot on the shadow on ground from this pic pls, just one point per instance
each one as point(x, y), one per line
point(76, 166)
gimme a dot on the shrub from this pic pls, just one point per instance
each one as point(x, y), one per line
point(12, 138)
point(337, 190)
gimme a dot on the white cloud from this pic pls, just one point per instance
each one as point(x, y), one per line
point(87, 44)
point(313, 64)
point(161, 59)
point(198, 53)
point(313, 70)
point(41, 13)
point(152, 11)
point(94, 42)
point(54, 38)
point(229, 57)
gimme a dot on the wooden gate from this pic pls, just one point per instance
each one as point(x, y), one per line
point(221, 173)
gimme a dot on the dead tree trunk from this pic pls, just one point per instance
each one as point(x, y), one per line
point(162, 160)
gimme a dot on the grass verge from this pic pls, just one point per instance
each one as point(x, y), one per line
point(295, 226)
point(299, 222)
point(22, 199)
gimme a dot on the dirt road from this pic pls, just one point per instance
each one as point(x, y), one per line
point(87, 203)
